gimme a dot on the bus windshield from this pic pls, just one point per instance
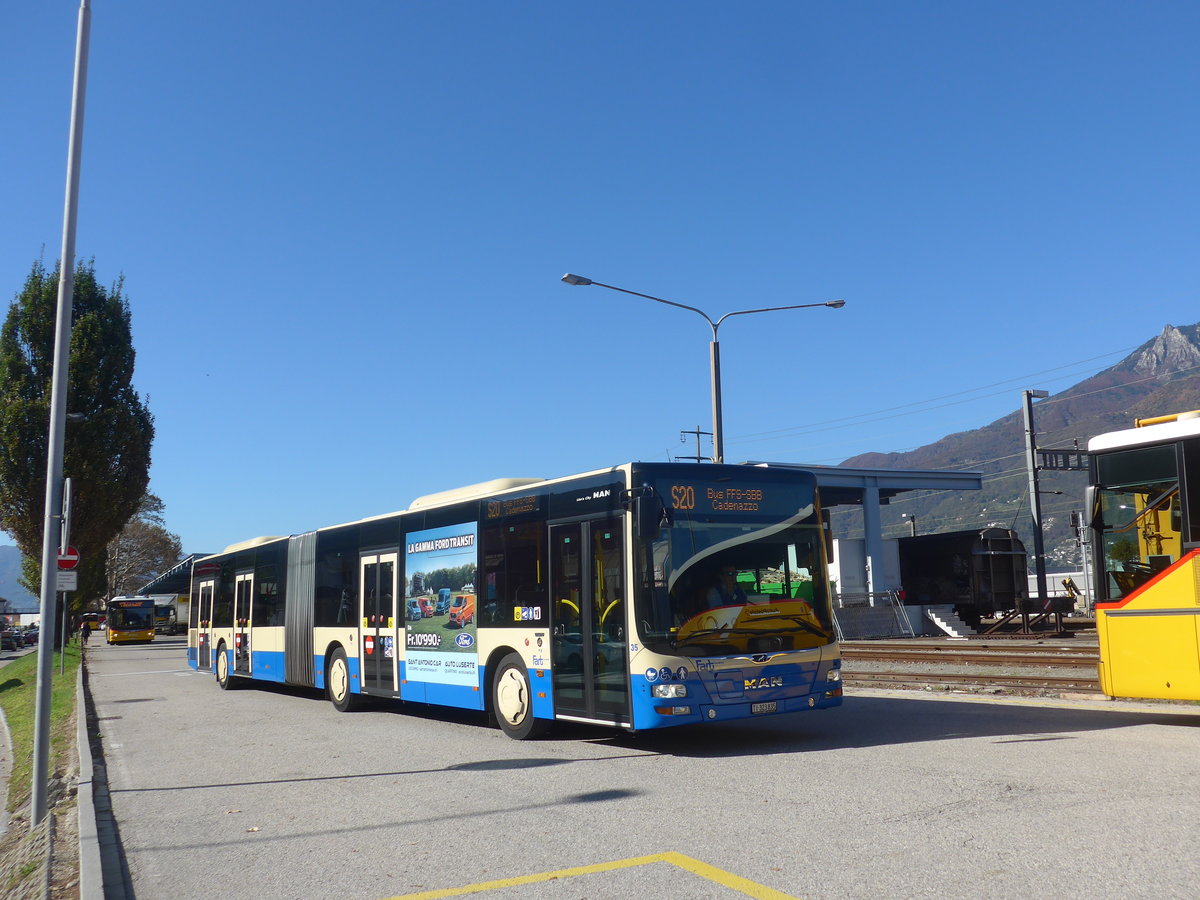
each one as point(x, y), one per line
point(131, 618)
point(718, 582)
point(1138, 516)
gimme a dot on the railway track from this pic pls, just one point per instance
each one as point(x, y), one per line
point(963, 653)
point(975, 666)
point(974, 681)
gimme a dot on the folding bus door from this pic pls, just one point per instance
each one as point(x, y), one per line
point(204, 626)
point(378, 660)
point(588, 640)
point(242, 599)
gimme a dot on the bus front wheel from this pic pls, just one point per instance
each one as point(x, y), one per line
point(224, 679)
point(337, 683)
point(512, 701)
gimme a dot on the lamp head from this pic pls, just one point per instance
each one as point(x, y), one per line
point(576, 279)
point(836, 304)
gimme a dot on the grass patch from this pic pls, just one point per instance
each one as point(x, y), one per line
point(18, 698)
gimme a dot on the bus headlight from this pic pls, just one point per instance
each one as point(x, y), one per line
point(834, 676)
point(668, 690)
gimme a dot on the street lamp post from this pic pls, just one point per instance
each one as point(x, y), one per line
point(714, 347)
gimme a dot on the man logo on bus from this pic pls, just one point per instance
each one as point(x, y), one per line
point(755, 684)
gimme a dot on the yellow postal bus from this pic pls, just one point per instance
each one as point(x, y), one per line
point(1144, 498)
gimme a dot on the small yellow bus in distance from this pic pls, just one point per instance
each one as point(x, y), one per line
point(130, 620)
point(1144, 507)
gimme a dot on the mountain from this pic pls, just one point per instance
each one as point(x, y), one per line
point(19, 599)
point(1161, 376)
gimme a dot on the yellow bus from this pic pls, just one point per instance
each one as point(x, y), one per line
point(1144, 498)
point(130, 620)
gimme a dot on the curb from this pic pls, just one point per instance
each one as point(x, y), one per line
point(91, 868)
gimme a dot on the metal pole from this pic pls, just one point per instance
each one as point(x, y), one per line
point(1083, 533)
point(57, 430)
point(1035, 499)
point(718, 425)
point(63, 543)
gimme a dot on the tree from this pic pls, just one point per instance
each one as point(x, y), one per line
point(107, 450)
point(142, 551)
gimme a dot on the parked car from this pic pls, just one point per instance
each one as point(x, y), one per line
point(31, 636)
point(8, 641)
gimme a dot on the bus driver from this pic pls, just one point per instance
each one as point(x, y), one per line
point(725, 591)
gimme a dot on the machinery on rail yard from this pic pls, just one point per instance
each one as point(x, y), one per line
point(981, 573)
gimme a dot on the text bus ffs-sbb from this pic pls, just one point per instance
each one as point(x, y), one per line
point(639, 597)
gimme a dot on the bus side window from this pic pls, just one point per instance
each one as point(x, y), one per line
point(514, 575)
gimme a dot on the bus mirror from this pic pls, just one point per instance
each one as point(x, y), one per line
point(1091, 506)
point(827, 530)
point(649, 515)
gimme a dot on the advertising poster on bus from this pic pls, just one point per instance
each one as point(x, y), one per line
point(439, 605)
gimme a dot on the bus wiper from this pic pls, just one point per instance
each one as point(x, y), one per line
point(708, 632)
point(792, 617)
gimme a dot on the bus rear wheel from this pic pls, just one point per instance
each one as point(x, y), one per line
point(512, 700)
point(337, 683)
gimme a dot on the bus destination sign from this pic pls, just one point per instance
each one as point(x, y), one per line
point(725, 497)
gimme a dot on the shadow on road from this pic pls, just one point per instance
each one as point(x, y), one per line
point(885, 721)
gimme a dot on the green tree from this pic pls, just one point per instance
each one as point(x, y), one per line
point(107, 449)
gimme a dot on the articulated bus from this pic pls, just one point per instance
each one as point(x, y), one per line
point(587, 599)
point(1144, 497)
point(130, 620)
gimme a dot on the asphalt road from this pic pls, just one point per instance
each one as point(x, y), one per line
point(271, 793)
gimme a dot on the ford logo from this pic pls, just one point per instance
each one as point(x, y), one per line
point(464, 640)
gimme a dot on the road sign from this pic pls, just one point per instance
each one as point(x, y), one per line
point(68, 559)
point(68, 580)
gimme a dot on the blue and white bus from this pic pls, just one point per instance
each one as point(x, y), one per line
point(592, 598)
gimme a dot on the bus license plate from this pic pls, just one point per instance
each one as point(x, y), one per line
point(757, 708)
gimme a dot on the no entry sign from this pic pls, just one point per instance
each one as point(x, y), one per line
point(68, 558)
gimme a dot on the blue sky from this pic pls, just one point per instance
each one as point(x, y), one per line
point(342, 226)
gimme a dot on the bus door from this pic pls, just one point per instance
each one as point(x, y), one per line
point(243, 596)
point(204, 625)
point(378, 614)
point(588, 642)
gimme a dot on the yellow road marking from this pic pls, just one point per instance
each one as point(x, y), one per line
point(704, 870)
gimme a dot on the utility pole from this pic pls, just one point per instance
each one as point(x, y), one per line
point(697, 433)
point(1035, 499)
